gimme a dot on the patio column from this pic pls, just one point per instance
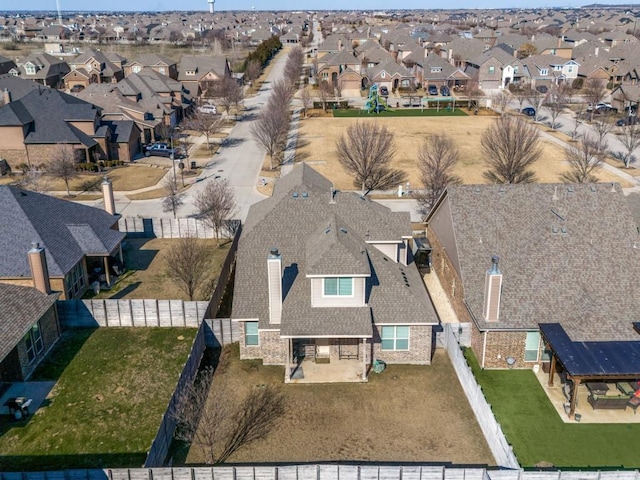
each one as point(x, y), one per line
point(552, 369)
point(120, 256)
point(287, 372)
point(106, 271)
point(574, 397)
point(364, 359)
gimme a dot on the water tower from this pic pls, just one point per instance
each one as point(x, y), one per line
point(211, 2)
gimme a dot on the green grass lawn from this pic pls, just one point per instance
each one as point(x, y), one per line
point(113, 385)
point(399, 112)
point(537, 434)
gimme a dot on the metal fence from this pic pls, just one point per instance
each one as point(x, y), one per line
point(172, 227)
point(160, 446)
point(502, 451)
point(320, 472)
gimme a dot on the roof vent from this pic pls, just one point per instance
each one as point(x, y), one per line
point(294, 194)
point(613, 188)
point(476, 190)
point(305, 195)
point(555, 193)
point(569, 189)
point(563, 229)
point(343, 230)
point(502, 190)
point(593, 188)
point(274, 251)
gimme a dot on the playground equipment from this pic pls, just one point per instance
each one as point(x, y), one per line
point(375, 102)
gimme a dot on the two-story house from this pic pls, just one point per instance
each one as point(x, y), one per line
point(326, 285)
point(93, 66)
point(158, 63)
point(200, 74)
point(42, 68)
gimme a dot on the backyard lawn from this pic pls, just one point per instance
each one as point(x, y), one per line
point(540, 438)
point(408, 413)
point(318, 136)
point(113, 385)
point(146, 276)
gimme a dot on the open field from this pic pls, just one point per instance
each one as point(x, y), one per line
point(540, 437)
point(113, 385)
point(146, 275)
point(318, 137)
point(408, 413)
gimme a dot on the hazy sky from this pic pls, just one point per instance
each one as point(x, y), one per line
point(157, 5)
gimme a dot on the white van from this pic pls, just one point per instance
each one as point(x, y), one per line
point(208, 109)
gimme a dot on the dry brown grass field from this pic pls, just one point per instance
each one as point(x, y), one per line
point(318, 137)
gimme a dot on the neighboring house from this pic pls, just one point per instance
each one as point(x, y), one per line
point(158, 63)
point(14, 88)
point(6, 64)
point(80, 242)
point(199, 74)
point(333, 65)
point(32, 127)
point(391, 75)
point(438, 72)
point(93, 66)
point(511, 257)
point(28, 329)
point(327, 276)
point(549, 70)
point(625, 96)
point(42, 68)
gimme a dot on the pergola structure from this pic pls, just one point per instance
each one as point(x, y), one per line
point(590, 361)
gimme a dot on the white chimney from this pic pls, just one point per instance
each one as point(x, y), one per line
point(274, 271)
point(596, 51)
point(39, 270)
point(107, 194)
point(492, 291)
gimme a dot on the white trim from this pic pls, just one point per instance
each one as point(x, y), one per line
point(245, 319)
point(405, 324)
point(338, 276)
point(397, 242)
point(353, 288)
point(326, 336)
point(484, 347)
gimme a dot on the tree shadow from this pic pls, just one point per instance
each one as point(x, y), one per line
point(231, 142)
point(125, 291)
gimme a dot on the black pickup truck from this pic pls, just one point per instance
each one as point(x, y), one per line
point(162, 150)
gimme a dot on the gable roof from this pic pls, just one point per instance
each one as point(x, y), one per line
point(67, 230)
point(295, 220)
point(567, 255)
point(21, 308)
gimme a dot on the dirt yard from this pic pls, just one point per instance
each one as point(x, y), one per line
point(148, 277)
point(318, 138)
point(406, 414)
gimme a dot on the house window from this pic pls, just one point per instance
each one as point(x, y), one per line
point(30, 69)
point(34, 343)
point(338, 287)
point(161, 70)
point(325, 75)
point(74, 281)
point(436, 69)
point(251, 333)
point(515, 69)
point(532, 347)
point(557, 68)
point(383, 74)
point(395, 338)
point(492, 69)
point(136, 68)
point(544, 71)
point(569, 69)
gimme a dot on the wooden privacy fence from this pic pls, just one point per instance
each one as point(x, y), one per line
point(172, 228)
point(159, 449)
point(319, 472)
point(502, 451)
point(224, 276)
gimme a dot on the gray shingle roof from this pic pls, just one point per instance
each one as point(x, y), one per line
point(21, 308)
point(66, 230)
point(292, 223)
point(568, 254)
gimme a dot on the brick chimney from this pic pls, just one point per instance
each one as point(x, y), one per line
point(107, 194)
point(274, 271)
point(492, 291)
point(6, 97)
point(39, 270)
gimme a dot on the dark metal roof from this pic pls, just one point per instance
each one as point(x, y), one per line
point(593, 359)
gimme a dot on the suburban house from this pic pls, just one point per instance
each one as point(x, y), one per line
point(542, 271)
point(624, 97)
point(80, 243)
point(42, 68)
point(6, 64)
point(547, 70)
point(28, 329)
point(198, 74)
point(93, 66)
point(327, 277)
point(158, 63)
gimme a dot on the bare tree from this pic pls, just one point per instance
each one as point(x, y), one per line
point(577, 121)
point(521, 96)
point(510, 146)
point(365, 151)
point(216, 204)
point(630, 139)
point(536, 99)
point(173, 197)
point(555, 103)
point(270, 131)
point(603, 127)
point(584, 159)
point(293, 67)
point(594, 90)
point(305, 98)
point(437, 158)
point(252, 71)
point(188, 265)
point(35, 180)
point(474, 93)
point(62, 165)
point(230, 94)
point(282, 94)
point(500, 101)
point(325, 91)
point(205, 124)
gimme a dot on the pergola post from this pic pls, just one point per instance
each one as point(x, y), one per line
point(287, 371)
point(364, 359)
point(106, 270)
point(574, 397)
point(552, 370)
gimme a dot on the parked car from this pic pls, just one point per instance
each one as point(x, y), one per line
point(444, 91)
point(433, 90)
point(628, 121)
point(384, 91)
point(529, 111)
point(162, 150)
point(542, 88)
point(208, 108)
point(76, 88)
point(602, 107)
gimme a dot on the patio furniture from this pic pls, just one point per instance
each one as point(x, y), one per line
point(608, 402)
point(597, 388)
point(634, 403)
point(19, 407)
point(627, 388)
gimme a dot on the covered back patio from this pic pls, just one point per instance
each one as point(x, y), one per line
point(605, 373)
